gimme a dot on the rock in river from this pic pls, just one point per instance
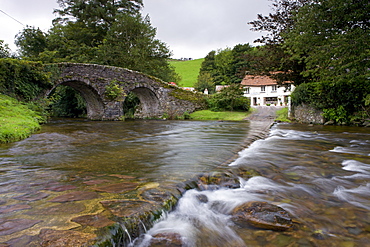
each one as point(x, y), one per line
point(262, 215)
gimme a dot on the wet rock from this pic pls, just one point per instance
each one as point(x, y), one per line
point(166, 239)
point(117, 188)
point(75, 196)
point(127, 208)
point(122, 176)
point(96, 181)
point(25, 240)
point(262, 215)
point(32, 197)
point(60, 188)
point(155, 195)
point(13, 208)
point(60, 209)
point(96, 220)
point(212, 181)
point(202, 198)
point(54, 238)
point(8, 227)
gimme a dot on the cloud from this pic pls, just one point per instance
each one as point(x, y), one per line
point(191, 28)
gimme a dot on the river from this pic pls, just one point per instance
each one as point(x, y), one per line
point(319, 174)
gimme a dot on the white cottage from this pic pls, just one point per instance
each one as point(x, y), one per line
point(263, 90)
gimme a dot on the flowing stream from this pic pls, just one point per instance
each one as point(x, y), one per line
point(319, 174)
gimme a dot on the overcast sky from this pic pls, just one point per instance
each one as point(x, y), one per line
point(191, 28)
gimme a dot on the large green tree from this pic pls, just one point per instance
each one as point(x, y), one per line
point(131, 43)
point(96, 15)
point(331, 37)
point(31, 42)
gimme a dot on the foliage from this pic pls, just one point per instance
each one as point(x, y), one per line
point(187, 70)
point(31, 42)
point(338, 115)
point(130, 105)
point(113, 91)
point(205, 81)
point(17, 120)
point(322, 46)
point(219, 116)
point(282, 115)
point(229, 99)
point(278, 22)
point(23, 79)
point(197, 98)
point(67, 102)
point(97, 16)
point(4, 50)
point(131, 43)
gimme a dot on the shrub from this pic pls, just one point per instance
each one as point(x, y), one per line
point(229, 99)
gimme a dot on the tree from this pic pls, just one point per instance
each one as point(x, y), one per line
point(205, 81)
point(4, 50)
point(31, 42)
point(131, 43)
point(229, 99)
point(332, 39)
point(96, 15)
point(274, 56)
point(278, 22)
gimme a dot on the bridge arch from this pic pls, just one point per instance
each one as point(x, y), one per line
point(94, 104)
point(149, 102)
point(105, 88)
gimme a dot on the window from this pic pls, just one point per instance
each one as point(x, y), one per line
point(246, 90)
point(263, 88)
point(274, 88)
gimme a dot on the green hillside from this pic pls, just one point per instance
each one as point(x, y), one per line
point(188, 70)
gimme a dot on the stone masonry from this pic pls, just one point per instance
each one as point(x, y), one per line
point(105, 88)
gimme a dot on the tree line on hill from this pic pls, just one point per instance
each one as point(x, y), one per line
point(322, 46)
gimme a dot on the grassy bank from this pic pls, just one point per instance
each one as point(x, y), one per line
point(17, 121)
point(188, 70)
point(282, 115)
point(225, 115)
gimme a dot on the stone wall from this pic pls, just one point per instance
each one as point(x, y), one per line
point(308, 114)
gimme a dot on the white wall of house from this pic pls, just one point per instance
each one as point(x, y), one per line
point(268, 95)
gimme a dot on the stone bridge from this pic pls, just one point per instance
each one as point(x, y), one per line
point(105, 88)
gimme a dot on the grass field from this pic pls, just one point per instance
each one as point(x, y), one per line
point(224, 115)
point(188, 70)
point(17, 121)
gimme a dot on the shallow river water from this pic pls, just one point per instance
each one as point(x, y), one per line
point(319, 174)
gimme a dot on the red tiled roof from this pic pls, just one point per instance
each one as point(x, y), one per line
point(258, 80)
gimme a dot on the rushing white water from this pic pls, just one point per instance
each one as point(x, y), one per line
point(321, 178)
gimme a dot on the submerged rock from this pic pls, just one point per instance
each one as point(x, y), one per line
point(8, 227)
point(56, 238)
point(127, 208)
point(76, 196)
point(117, 188)
point(262, 215)
point(166, 239)
point(93, 220)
